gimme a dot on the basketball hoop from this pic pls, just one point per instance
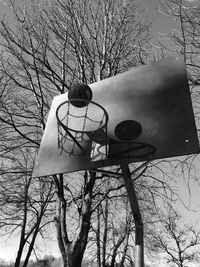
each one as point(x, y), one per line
point(81, 130)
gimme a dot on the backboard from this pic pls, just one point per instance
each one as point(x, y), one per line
point(145, 110)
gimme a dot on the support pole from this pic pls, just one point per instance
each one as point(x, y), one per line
point(139, 242)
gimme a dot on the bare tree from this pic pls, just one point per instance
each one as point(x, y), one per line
point(111, 231)
point(24, 200)
point(179, 242)
point(24, 205)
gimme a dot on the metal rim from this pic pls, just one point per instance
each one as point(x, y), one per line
point(84, 100)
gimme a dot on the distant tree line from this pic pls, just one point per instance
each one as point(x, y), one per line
point(49, 261)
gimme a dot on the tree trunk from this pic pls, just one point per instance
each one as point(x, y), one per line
point(98, 238)
point(114, 254)
point(72, 251)
point(22, 236)
point(105, 234)
point(31, 246)
point(19, 254)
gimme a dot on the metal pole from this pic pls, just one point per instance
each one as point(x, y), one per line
point(139, 236)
